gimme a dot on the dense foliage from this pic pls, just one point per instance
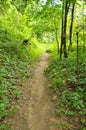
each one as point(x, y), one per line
point(67, 76)
point(60, 26)
point(18, 49)
point(69, 88)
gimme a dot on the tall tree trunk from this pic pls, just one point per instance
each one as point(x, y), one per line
point(77, 35)
point(64, 27)
point(62, 30)
point(71, 25)
point(67, 5)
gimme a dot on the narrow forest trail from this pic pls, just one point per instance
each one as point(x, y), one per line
point(37, 110)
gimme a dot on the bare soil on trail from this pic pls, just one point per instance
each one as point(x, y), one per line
point(37, 111)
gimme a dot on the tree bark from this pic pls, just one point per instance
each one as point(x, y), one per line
point(77, 35)
point(71, 25)
point(62, 27)
point(65, 10)
point(67, 5)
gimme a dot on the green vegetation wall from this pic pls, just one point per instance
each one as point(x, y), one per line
point(16, 56)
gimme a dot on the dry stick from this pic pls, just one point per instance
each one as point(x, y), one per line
point(72, 127)
point(19, 45)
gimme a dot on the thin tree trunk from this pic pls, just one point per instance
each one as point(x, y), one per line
point(56, 36)
point(77, 35)
point(62, 30)
point(64, 27)
point(67, 5)
point(71, 25)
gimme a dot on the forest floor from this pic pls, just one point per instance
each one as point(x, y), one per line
point(37, 111)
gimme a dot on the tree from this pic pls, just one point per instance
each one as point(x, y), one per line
point(71, 24)
point(65, 10)
point(56, 33)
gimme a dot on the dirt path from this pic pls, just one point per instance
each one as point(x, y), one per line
point(37, 111)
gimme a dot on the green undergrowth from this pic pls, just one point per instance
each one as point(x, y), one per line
point(14, 68)
point(51, 48)
point(15, 61)
point(69, 87)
